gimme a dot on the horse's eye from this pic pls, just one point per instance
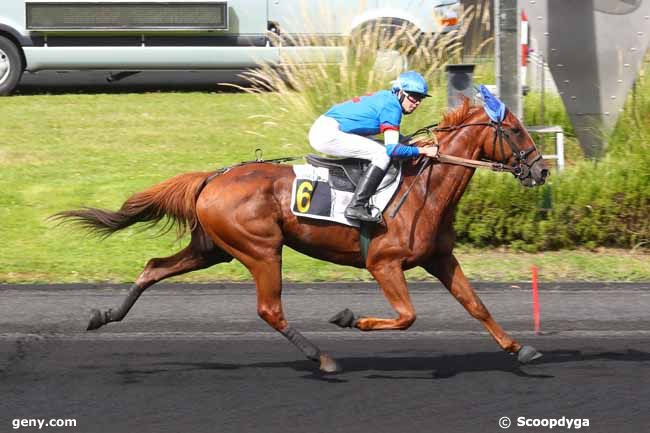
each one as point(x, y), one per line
point(516, 131)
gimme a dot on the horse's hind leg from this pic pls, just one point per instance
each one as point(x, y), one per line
point(199, 254)
point(448, 271)
point(268, 279)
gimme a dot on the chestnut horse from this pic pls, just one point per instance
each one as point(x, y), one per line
point(244, 212)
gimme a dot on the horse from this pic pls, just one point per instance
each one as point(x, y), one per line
point(243, 212)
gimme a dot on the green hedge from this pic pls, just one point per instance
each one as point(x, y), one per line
point(592, 204)
point(589, 204)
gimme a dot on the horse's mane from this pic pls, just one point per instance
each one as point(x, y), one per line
point(459, 114)
point(454, 117)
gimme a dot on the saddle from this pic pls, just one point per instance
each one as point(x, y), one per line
point(344, 173)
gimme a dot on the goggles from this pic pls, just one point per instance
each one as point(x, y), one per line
point(415, 97)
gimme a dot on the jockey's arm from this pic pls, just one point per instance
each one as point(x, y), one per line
point(396, 150)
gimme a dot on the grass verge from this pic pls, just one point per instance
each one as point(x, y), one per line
point(65, 151)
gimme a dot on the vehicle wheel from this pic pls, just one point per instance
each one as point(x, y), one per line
point(11, 66)
point(392, 62)
point(390, 42)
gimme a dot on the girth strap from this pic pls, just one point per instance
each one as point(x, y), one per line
point(364, 240)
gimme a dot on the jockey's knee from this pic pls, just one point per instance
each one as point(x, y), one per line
point(406, 320)
point(381, 160)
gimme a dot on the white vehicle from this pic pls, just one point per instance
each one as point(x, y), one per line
point(135, 35)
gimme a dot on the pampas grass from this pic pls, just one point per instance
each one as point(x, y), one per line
point(310, 80)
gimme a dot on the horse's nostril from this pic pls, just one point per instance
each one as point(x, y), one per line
point(544, 173)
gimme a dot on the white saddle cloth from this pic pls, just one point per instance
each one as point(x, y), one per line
point(315, 205)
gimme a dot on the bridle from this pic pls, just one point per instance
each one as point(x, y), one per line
point(521, 168)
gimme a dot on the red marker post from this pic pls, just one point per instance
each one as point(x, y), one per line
point(535, 300)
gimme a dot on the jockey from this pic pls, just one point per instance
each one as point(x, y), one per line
point(343, 131)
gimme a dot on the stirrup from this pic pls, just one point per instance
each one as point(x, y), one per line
point(354, 213)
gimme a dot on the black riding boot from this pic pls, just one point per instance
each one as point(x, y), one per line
point(358, 207)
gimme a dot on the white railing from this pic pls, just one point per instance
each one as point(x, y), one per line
point(559, 142)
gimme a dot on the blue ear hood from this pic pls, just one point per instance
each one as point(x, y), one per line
point(492, 105)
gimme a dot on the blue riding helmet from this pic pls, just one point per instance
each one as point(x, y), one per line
point(411, 82)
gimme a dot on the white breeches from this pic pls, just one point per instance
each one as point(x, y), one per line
point(326, 137)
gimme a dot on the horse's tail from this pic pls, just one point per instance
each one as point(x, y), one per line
point(174, 199)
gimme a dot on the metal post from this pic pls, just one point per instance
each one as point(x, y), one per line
point(542, 107)
point(559, 150)
point(508, 54)
point(542, 114)
point(459, 82)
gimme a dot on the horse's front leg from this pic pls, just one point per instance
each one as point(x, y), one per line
point(448, 271)
point(390, 278)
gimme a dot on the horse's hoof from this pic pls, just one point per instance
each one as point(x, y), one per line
point(328, 364)
point(96, 320)
point(527, 354)
point(344, 319)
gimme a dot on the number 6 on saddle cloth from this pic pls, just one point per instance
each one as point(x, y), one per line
point(324, 187)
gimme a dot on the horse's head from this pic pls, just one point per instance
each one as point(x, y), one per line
point(510, 143)
point(489, 132)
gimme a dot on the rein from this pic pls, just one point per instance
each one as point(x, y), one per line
point(520, 170)
point(456, 160)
